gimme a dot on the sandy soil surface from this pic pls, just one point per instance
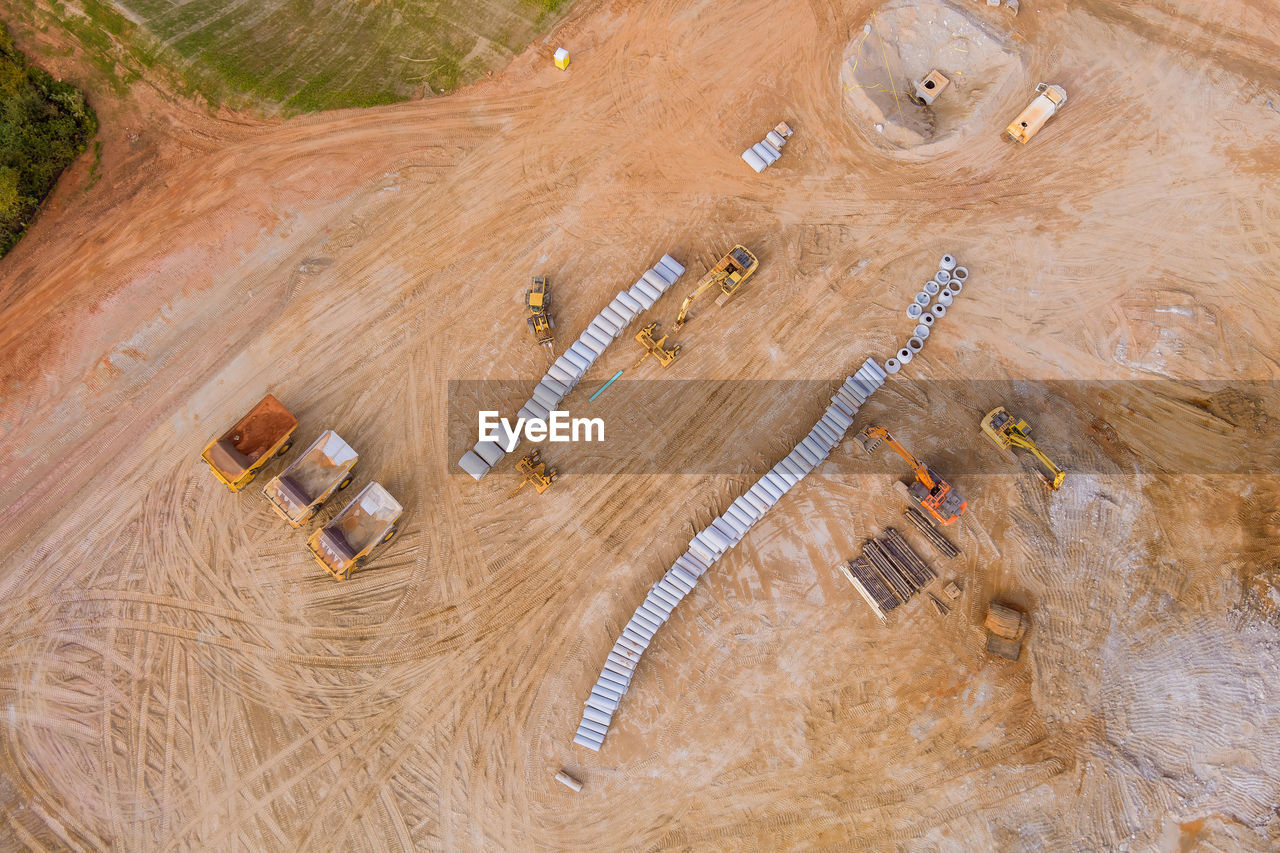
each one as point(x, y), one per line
point(179, 674)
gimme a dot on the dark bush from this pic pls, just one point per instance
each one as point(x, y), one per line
point(44, 125)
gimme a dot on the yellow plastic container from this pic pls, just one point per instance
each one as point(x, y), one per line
point(562, 58)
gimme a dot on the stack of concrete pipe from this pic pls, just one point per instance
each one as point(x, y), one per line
point(766, 152)
point(945, 286)
point(569, 368)
point(710, 544)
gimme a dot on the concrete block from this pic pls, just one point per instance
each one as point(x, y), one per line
point(584, 354)
point(630, 301)
point(599, 716)
point(473, 464)
point(489, 452)
point(672, 264)
point(754, 160)
point(613, 318)
point(870, 364)
point(582, 740)
point(643, 296)
point(659, 283)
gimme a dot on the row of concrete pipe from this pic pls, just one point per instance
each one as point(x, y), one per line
point(568, 369)
point(945, 286)
point(709, 544)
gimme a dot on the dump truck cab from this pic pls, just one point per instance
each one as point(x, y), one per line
point(298, 492)
point(236, 455)
point(342, 545)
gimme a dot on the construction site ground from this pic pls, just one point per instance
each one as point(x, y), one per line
point(179, 674)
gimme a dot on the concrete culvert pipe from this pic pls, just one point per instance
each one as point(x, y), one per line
point(892, 365)
point(947, 263)
point(922, 331)
point(905, 355)
point(923, 299)
point(927, 319)
point(945, 298)
point(942, 277)
point(915, 344)
point(960, 274)
point(932, 288)
point(939, 311)
point(914, 310)
point(955, 286)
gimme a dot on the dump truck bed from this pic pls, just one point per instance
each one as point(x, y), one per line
point(312, 477)
point(353, 532)
point(254, 436)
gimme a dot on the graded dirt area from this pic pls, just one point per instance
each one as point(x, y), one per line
point(179, 674)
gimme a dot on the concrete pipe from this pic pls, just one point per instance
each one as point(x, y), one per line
point(939, 311)
point(955, 286)
point(914, 310)
point(923, 299)
point(947, 263)
point(905, 355)
point(945, 298)
point(927, 319)
point(915, 344)
point(960, 274)
point(922, 331)
point(942, 277)
point(892, 365)
point(932, 288)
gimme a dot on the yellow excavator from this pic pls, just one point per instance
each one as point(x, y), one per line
point(929, 490)
point(1005, 432)
point(654, 346)
point(729, 274)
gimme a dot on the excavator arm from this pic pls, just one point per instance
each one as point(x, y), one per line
point(713, 278)
point(874, 434)
point(1056, 475)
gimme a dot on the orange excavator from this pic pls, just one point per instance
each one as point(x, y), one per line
point(929, 490)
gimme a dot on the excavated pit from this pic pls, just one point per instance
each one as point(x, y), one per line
point(901, 43)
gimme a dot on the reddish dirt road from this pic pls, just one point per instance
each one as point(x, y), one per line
point(179, 674)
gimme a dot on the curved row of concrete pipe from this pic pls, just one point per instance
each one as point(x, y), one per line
point(568, 369)
point(708, 545)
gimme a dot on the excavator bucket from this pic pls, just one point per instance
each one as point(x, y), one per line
point(869, 444)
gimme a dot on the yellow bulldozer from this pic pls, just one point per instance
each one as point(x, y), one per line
point(728, 274)
point(538, 300)
point(535, 471)
point(1006, 431)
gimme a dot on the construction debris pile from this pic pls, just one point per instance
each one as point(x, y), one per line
point(569, 368)
point(888, 573)
point(708, 545)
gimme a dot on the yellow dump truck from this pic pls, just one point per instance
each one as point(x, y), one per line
point(323, 468)
point(238, 453)
point(342, 545)
point(1048, 100)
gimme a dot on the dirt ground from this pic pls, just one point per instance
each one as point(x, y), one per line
point(179, 674)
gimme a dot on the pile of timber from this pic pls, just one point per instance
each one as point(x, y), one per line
point(888, 573)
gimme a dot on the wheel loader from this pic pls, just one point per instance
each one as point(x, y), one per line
point(538, 300)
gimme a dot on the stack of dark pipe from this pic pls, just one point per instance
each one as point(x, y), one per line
point(901, 569)
point(916, 517)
